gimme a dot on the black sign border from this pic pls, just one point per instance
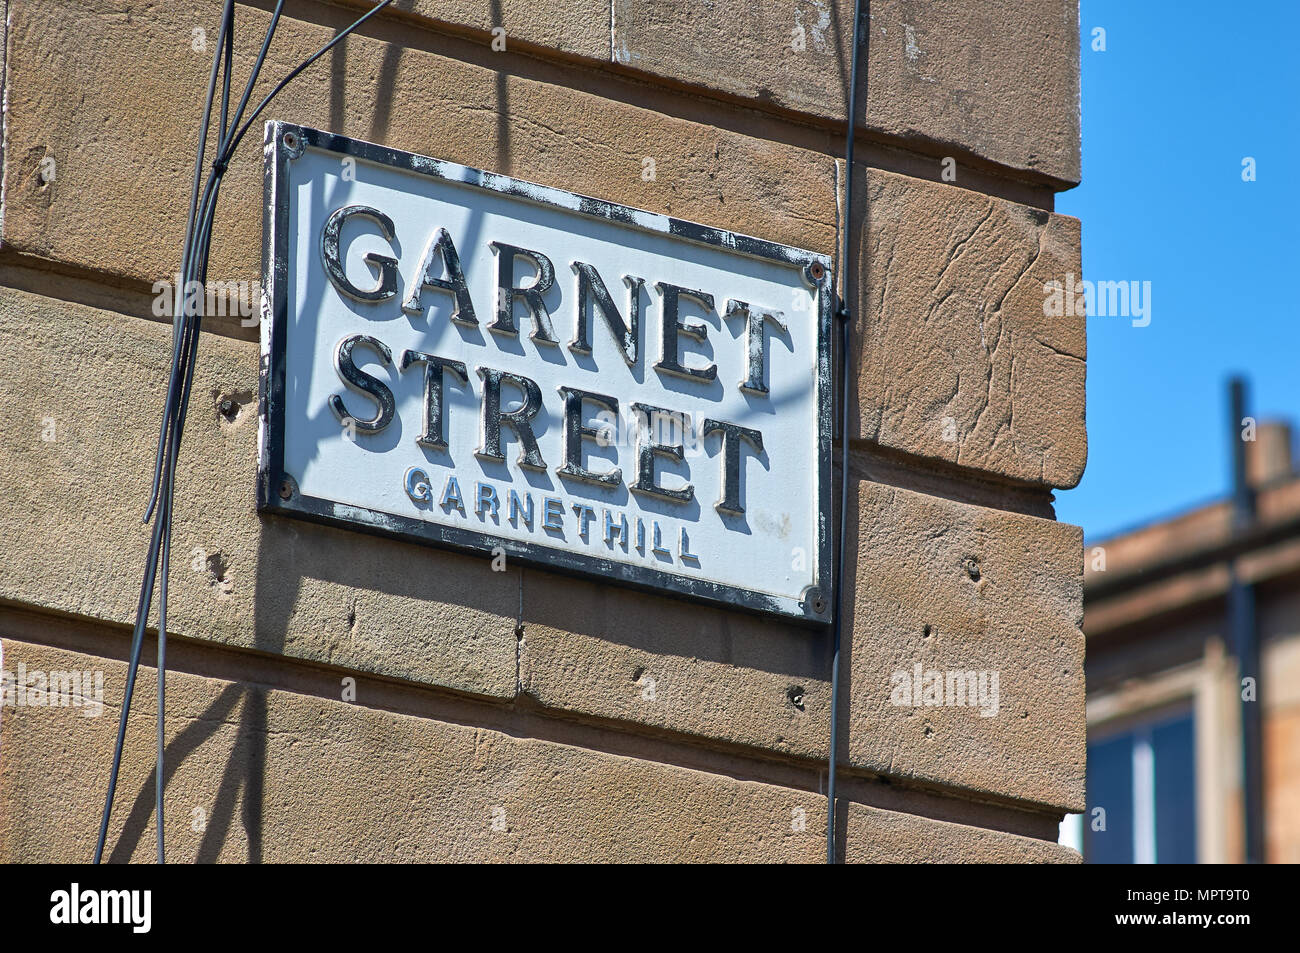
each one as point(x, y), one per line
point(277, 491)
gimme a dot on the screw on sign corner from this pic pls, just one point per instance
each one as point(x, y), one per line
point(817, 603)
point(286, 490)
point(815, 273)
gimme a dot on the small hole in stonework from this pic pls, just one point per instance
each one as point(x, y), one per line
point(231, 405)
point(217, 567)
point(219, 573)
point(972, 567)
point(636, 675)
point(929, 732)
point(927, 632)
point(795, 695)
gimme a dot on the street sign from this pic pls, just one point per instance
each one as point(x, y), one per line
point(455, 357)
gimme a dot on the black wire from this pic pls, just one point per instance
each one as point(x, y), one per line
point(225, 45)
point(189, 350)
point(146, 589)
point(223, 40)
point(257, 67)
point(302, 66)
point(186, 325)
point(227, 25)
point(162, 683)
point(843, 314)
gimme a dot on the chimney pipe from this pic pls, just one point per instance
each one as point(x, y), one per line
point(1268, 457)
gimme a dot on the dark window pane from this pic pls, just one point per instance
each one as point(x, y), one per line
point(1174, 743)
point(1110, 786)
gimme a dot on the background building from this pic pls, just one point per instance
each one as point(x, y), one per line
point(1165, 741)
point(339, 697)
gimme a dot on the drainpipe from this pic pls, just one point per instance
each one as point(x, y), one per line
point(1245, 637)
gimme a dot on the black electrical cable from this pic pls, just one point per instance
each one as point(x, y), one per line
point(142, 606)
point(302, 66)
point(186, 324)
point(226, 45)
point(843, 314)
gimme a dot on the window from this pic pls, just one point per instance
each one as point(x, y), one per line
point(1144, 779)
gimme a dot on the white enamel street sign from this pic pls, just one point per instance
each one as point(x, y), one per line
point(461, 358)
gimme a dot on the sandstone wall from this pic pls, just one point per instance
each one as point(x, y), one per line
point(526, 715)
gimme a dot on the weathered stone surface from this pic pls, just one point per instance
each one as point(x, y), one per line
point(607, 652)
point(118, 202)
point(282, 777)
point(939, 77)
point(574, 27)
point(993, 78)
point(604, 652)
point(275, 776)
point(960, 362)
point(87, 390)
point(956, 342)
point(431, 616)
point(964, 589)
point(874, 836)
point(637, 716)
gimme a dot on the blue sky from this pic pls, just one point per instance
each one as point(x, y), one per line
point(1183, 92)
